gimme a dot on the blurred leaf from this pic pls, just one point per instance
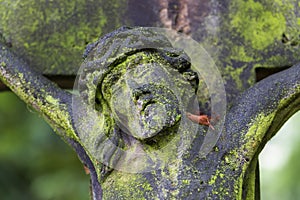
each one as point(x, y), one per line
point(34, 161)
point(281, 180)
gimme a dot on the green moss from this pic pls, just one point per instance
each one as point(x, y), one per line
point(231, 162)
point(235, 75)
point(241, 54)
point(222, 190)
point(213, 179)
point(28, 89)
point(52, 100)
point(187, 182)
point(226, 159)
point(127, 186)
point(250, 181)
point(52, 35)
point(216, 149)
point(257, 24)
point(257, 130)
point(254, 135)
point(21, 75)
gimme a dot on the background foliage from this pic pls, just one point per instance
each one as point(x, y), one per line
point(35, 163)
point(280, 163)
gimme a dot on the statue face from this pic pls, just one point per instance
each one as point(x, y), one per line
point(142, 101)
point(144, 98)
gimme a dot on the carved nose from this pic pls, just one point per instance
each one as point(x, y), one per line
point(142, 96)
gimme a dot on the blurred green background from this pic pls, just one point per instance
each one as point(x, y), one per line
point(280, 163)
point(35, 164)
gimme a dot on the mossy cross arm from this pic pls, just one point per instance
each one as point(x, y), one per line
point(53, 103)
point(255, 117)
point(37, 91)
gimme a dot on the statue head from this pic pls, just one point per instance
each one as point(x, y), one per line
point(142, 94)
point(139, 84)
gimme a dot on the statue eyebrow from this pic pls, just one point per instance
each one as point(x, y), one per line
point(175, 59)
point(109, 80)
